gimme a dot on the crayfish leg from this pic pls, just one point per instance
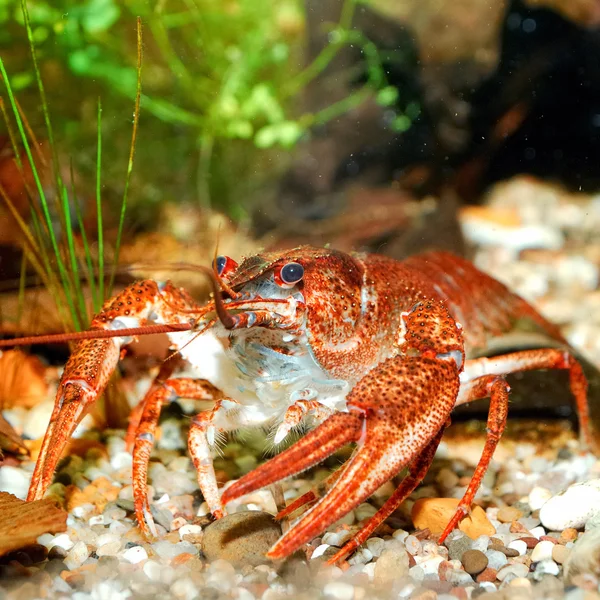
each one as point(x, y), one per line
point(162, 391)
point(497, 389)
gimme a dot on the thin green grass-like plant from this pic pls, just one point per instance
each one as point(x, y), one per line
point(52, 249)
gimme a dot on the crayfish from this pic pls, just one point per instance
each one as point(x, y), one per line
point(375, 351)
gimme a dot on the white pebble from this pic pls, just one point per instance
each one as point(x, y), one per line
point(152, 569)
point(546, 567)
point(77, 556)
point(15, 481)
point(481, 543)
point(431, 564)
point(189, 529)
point(572, 507)
point(417, 573)
point(63, 541)
point(135, 554)
point(375, 545)
point(542, 551)
point(489, 586)
point(516, 570)
point(319, 551)
point(538, 532)
point(184, 589)
point(413, 544)
point(121, 460)
point(457, 577)
point(400, 534)
point(110, 549)
point(519, 545)
point(538, 497)
point(339, 590)
point(97, 520)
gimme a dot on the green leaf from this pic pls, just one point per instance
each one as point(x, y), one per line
point(240, 129)
point(266, 136)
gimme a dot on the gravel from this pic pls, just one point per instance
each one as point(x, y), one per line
point(537, 526)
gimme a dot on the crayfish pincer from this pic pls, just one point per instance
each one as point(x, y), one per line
point(375, 351)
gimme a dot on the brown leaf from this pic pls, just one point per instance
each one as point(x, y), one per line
point(22, 522)
point(10, 441)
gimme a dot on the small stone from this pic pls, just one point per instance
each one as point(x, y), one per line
point(545, 567)
point(516, 570)
point(242, 538)
point(339, 590)
point(392, 564)
point(57, 552)
point(481, 543)
point(487, 575)
point(190, 533)
point(496, 560)
point(135, 555)
point(572, 507)
point(412, 544)
point(508, 514)
point(458, 546)
point(560, 554)
point(474, 561)
point(519, 545)
point(538, 497)
point(457, 577)
point(447, 479)
point(542, 551)
point(530, 541)
point(376, 546)
point(78, 554)
point(568, 535)
point(435, 513)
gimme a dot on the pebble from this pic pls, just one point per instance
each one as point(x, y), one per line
point(339, 590)
point(78, 554)
point(135, 554)
point(412, 544)
point(516, 570)
point(242, 538)
point(572, 507)
point(474, 561)
point(507, 514)
point(435, 513)
point(545, 567)
point(487, 575)
point(458, 545)
point(542, 551)
point(519, 545)
point(538, 497)
point(560, 554)
point(496, 560)
point(392, 564)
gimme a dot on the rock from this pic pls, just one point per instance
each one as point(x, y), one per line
point(392, 564)
point(241, 538)
point(474, 561)
point(339, 590)
point(572, 507)
point(516, 570)
point(560, 554)
point(458, 545)
point(135, 554)
point(538, 497)
point(519, 546)
point(487, 575)
point(496, 560)
point(435, 513)
point(545, 567)
point(542, 551)
point(507, 514)
point(78, 554)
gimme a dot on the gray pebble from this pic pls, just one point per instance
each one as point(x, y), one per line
point(242, 538)
point(496, 559)
point(458, 546)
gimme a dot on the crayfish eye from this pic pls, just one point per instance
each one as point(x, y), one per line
point(291, 273)
point(224, 265)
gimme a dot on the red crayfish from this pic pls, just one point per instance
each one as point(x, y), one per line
point(376, 351)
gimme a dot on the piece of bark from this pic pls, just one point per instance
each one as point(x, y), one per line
point(21, 523)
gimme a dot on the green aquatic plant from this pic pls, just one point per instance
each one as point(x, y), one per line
point(223, 82)
point(48, 237)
